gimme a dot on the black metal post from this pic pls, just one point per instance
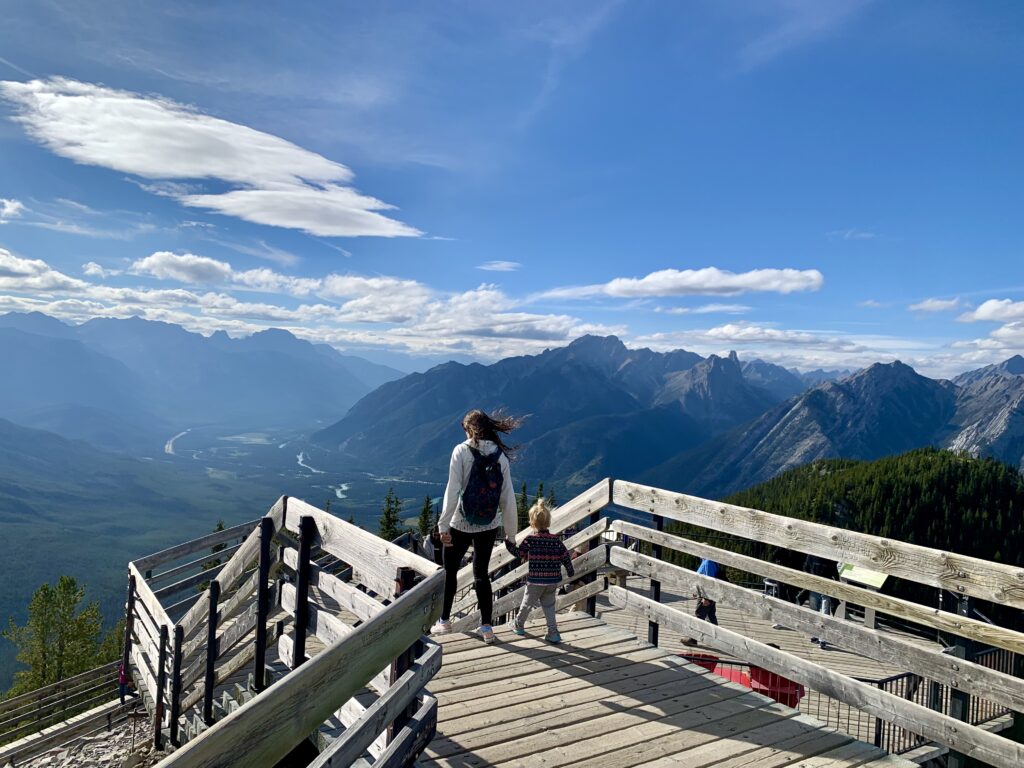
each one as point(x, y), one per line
point(179, 637)
point(960, 701)
point(211, 652)
point(129, 623)
point(652, 626)
point(307, 532)
point(259, 672)
point(591, 545)
point(161, 686)
point(404, 580)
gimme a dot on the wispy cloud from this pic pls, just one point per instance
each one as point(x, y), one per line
point(935, 305)
point(872, 304)
point(690, 282)
point(275, 182)
point(10, 209)
point(794, 24)
point(566, 38)
point(92, 269)
point(500, 266)
point(706, 309)
point(851, 234)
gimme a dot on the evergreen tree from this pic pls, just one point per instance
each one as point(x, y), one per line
point(522, 509)
point(391, 516)
point(437, 514)
point(112, 644)
point(59, 639)
point(426, 513)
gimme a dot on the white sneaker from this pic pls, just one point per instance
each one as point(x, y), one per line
point(441, 627)
point(486, 632)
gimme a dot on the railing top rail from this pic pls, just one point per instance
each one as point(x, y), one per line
point(959, 573)
point(148, 562)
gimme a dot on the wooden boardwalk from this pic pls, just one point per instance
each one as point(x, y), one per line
point(605, 698)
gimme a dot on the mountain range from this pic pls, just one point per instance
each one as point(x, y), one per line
point(708, 426)
point(126, 385)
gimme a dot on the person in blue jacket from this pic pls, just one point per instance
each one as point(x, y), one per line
point(705, 607)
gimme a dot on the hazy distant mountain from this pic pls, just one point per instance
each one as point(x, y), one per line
point(990, 417)
point(819, 376)
point(884, 409)
point(1012, 367)
point(715, 392)
point(779, 382)
point(121, 382)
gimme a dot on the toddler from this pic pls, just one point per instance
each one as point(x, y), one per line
point(546, 555)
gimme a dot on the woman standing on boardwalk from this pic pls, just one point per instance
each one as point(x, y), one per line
point(478, 502)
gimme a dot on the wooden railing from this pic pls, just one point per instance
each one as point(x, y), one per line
point(50, 704)
point(300, 595)
point(999, 583)
point(348, 612)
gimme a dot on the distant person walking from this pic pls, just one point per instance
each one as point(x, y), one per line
point(820, 566)
point(479, 488)
point(546, 555)
point(706, 608)
point(122, 681)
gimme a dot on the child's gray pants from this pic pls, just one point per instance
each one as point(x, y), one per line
point(544, 596)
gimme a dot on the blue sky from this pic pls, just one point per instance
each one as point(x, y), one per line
point(813, 183)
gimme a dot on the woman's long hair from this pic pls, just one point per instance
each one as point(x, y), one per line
point(482, 426)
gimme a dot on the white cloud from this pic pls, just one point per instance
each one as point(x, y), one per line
point(92, 269)
point(689, 282)
point(997, 310)
point(10, 209)
point(796, 23)
point(500, 266)
point(18, 274)
point(277, 183)
point(872, 304)
point(935, 305)
point(706, 309)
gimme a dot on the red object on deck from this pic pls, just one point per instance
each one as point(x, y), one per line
point(775, 686)
point(706, 660)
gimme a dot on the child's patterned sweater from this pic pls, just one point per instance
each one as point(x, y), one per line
point(546, 555)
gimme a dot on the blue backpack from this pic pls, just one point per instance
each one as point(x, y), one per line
point(482, 494)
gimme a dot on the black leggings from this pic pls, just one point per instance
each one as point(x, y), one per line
point(483, 545)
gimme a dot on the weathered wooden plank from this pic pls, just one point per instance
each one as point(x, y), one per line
point(583, 565)
point(847, 756)
point(594, 499)
point(356, 739)
point(761, 747)
point(583, 718)
point(222, 555)
point(271, 725)
point(469, 600)
point(374, 560)
point(243, 560)
point(957, 735)
point(957, 573)
point(330, 629)
point(195, 545)
point(145, 596)
point(953, 623)
point(142, 669)
point(195, 616)
point(413, 737)
point(958, 673)
point(189, 582)
point(347, 596)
